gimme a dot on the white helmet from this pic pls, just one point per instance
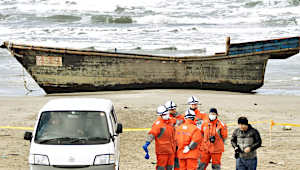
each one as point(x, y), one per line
point(193, 100)
point(170, 105)
point(189, 114)
point(161, 110)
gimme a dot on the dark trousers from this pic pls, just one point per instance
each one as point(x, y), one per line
point(246, 164)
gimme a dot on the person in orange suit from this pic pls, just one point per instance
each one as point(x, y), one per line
point(188, 138)
point(177, 119)
point(200, 117)
point(214, 133)
point(163, 133)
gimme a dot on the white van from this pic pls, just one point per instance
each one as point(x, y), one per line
point(75, 133)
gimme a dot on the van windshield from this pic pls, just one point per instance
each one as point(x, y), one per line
point(72, 128)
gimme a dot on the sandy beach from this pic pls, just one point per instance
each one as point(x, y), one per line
point(136, 109)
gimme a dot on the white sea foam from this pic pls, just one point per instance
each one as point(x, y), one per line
point(43, 7)
point(296, 78)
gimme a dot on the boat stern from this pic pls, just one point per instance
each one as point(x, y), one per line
point(282, 48)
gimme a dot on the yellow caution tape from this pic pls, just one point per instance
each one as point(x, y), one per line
point(14, 127)
point(136, 129)
point(286, 124)
point(256, 122)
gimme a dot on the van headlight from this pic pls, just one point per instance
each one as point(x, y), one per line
point(38, 159)
point(104, 159)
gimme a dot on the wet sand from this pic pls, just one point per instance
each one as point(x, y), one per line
point(136, 109)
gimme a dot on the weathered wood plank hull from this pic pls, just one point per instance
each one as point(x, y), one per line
point(93, 73)
point(65, 70)
point(135, 74)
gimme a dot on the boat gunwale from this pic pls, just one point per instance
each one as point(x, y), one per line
point(219, 56)
point(242, 43)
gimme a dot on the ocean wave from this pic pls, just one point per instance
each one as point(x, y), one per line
point(280, 21)
point(90, 48)
point(137, 48)
point(169, 48)
point(83, 6)
point(63, 18)
point(164, 19)
point(284, 92)
point(145, 12)
point(276, 81)
point(294, 2)
point(108, 19)
point(296, 78)
point(214, 20)
point(119, 9)
point(200, 50)
point(2, 17)
point(32, 17)
point(253, 4)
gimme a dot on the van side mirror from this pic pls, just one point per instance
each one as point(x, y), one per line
point(119, 128)
point(28, 136)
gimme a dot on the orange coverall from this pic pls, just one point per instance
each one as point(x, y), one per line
point(164, 133)
point(200, 117)
point(213, 150)
point(185, 134)
point(199, 120)
point(177, 121)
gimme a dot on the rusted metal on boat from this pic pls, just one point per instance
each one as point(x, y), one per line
point(240, 68)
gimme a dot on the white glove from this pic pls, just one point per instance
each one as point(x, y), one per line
point(186, 149)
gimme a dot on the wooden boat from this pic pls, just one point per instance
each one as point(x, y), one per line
point(240, 68)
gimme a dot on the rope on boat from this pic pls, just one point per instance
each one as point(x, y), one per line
point(9, 47)
point(25, 83)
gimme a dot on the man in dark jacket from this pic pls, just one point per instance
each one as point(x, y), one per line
point(245, 140)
